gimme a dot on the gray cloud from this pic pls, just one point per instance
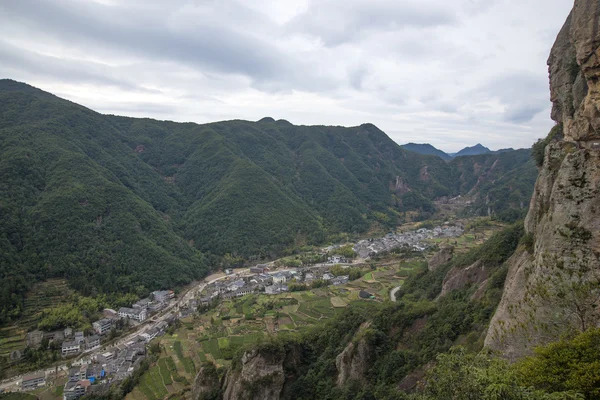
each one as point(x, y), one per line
point(422, 70)
point(55, 68)
point(212, 44)
point(340, 21)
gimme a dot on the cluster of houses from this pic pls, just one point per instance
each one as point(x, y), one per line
point(139, 311)
point(262, 281)
point(415, 240)
point(94, 375)
point(71, 342)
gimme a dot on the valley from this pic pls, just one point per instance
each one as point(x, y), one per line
point(232, 324)
point(147, 259)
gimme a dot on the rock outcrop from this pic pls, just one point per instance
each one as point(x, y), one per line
point(459, 278)
point(552, 287)
point(206, 383)
point(440, 258)
point(353, 363)
point(261, 377)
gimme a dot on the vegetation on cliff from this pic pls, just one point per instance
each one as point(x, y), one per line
point(402, 338)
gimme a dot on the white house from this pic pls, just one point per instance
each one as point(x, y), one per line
point(70, 348)
point(33, 381)
point(137, 314)
point(102, 326)
point(162, 296)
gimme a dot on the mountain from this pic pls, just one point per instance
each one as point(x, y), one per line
point(532, 290)
point(472, 151)
point(117, 204)
point(426, 149)
point(499, 183)
point(552, 284)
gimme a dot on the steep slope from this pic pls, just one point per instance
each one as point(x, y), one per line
point(426, 149)
point(76, 203)
point(376, 349)
point(500, 183)
point(552, 286)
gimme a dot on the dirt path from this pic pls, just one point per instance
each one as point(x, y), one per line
point(393, 293)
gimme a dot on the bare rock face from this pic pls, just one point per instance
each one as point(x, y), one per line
point(353, 362)
point(553, 288)
point(261, 377)
point(440, 258)
point(574, 66)
point(206, 382)
point(459, 278)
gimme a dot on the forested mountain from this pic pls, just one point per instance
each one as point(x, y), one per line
point(426, 149)
point(472, 151)
point(123, 204)
point(499, 183)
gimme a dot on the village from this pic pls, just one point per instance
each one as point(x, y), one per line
point(417, 240)
point(97, 362)
point(99, 366)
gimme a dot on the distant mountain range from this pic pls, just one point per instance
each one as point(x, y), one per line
point(427, 149)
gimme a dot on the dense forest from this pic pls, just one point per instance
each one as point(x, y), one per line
point(126, 205)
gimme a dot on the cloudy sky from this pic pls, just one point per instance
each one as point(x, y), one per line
point(448, 72)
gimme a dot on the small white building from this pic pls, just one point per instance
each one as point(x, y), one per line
point(162, 296)
point(92, 342)
point(71, 348)
point(138, 314)
point(102, 326)
point(33, 381)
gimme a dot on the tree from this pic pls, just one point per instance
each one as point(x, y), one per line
point(566, 365)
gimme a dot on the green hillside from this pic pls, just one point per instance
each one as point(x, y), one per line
point(502, 182)
point(116, 204)
point(426, 148)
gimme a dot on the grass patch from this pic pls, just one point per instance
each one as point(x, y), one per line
point(223, 342)
point(178, 350)
point(338, 302)
point(164, 371)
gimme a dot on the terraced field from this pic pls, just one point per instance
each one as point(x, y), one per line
point(43, 295)
point(218, 334)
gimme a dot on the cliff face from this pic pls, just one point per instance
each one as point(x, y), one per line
point(553, 287)
point(261, 377)
point(352, 364)
point(207, 382)
point(459, 278)
point(440, 258)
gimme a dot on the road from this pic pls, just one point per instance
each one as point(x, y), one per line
point(393, 293)
point(14, 384)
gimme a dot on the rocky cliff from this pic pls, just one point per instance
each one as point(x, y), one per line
point(259, 375)
point(552, 285)
point(352, 364)
point(207, 383)
point(440, 258)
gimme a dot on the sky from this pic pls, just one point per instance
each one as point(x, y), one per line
point(452, 73)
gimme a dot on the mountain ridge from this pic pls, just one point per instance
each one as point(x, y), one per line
point(428, 149)
point(154, 201)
